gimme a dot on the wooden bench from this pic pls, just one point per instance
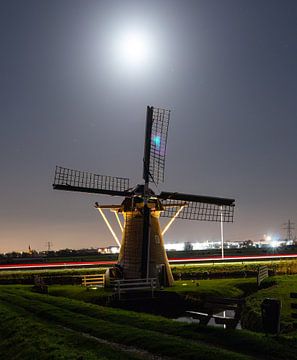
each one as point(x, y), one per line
point(92, 280)
point(134, 285)
point(214, 305)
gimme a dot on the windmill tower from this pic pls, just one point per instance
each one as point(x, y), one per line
point(142, 252)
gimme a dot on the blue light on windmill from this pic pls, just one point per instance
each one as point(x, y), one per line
point(157, 141)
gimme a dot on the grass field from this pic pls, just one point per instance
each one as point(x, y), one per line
point(281, 291)
point(36, 326)
point(217, 287)
point(70, 326)
point(275, 287)
point(235, 288)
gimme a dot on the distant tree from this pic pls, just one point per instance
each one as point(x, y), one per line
point(248, 243)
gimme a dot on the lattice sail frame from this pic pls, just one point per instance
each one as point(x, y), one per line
point(197, 211)
point(69, 179)
point(159, 134)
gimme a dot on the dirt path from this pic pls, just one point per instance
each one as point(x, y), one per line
point(142, 354)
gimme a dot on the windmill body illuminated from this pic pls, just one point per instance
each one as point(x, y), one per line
point(142, 252)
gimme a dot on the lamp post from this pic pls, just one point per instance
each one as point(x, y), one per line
point(222, 232)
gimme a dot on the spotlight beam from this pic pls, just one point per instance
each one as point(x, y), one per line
point(119, 221)
point(109, 226)
point(172, 219)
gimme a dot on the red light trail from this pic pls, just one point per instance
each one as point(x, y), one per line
point(172, 261)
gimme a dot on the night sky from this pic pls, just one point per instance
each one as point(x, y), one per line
point(69, 96)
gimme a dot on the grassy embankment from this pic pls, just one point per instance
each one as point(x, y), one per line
point(235, 288)
point(47, 327)
point(278, 287)
point(284, 285)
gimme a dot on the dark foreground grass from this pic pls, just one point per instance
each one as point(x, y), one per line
point(155, 334)
point(126, 334)
point(254, 344)
point(25, 337)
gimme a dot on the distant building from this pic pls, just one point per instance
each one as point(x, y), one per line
point(109, 250)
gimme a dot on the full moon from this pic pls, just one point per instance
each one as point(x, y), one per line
point(134, 49)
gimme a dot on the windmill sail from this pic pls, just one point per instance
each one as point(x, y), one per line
point(196, 207)
point(74, 180)
point(155, 144)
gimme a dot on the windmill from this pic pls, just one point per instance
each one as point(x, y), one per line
point(142, 251)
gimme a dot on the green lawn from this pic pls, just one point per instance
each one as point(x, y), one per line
point(31, 320)
point(96, 296)
point(281, 290)
point(24, 336)
point(224, 287)
point(278, 287)
point(275, 287)
point(146, 333)
point(218, 287)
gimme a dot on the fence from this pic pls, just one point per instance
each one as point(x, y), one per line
point(92, 280)
point(130, 285)
point(262, 274)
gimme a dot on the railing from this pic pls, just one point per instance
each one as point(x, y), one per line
point(129, 285)
point(262, 274)
point(92, 280)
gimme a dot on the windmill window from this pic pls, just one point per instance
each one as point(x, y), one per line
point(157, 239)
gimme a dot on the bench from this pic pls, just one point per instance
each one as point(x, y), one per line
point(92, 280)
point(134, 285)
point(214, 305)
